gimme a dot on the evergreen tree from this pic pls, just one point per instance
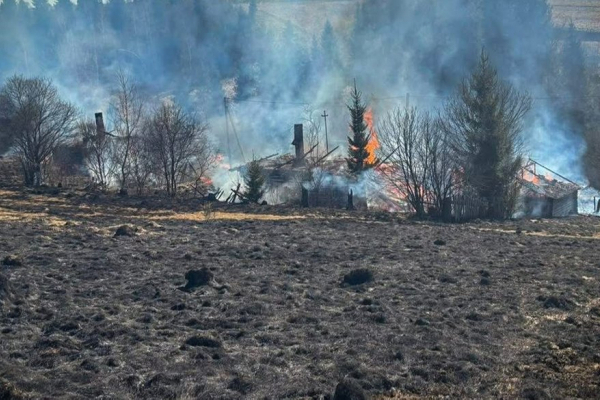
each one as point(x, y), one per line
point(484, 122)
point(329, 45)
point(255, 182)
point(570, 84)
point(358, 154)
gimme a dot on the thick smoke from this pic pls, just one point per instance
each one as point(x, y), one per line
point(273, 70)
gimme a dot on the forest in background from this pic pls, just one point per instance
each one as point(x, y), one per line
point(199, 52)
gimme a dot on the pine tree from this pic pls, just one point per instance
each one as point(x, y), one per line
point(570, 84)
point(255, 182)
point(358, 153)
point(485, 122)
point(329, 46)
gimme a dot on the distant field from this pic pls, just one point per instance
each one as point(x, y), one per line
point(311, 15)
point(585, 14)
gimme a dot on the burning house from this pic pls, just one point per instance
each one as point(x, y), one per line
point(546, 194)
point(309, 179)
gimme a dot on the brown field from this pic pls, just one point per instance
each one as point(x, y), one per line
point(480, 310)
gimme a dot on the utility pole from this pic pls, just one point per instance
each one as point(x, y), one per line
point(226, 105)
point(407, 100)
point(325, 115)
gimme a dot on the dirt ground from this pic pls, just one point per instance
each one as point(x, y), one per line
point(480, 310)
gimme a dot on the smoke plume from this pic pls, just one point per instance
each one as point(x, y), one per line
point(272, 69)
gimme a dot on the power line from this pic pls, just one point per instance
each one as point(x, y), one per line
point(273, 102)
point(404, 97)
point(229, 122)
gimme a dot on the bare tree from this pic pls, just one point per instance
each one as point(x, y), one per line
point(201, 165)
point(98, 151)
point(39, 120)
point(141, 164)
point(312, 136)
point(409, 139)
point(127, 114)
point(6, 136)
point(442, 167)
point(177, 140)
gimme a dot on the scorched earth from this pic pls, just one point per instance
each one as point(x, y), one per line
point(479, 310)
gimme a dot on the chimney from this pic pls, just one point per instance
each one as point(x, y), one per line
point(100, 124)
point(299, 141)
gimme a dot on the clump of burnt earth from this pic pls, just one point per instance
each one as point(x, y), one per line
point(12, 261)
point(358, 277)
point(103, 317)
point(196, 278)
point(126, 230)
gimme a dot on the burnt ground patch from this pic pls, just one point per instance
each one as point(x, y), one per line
point(103, 316)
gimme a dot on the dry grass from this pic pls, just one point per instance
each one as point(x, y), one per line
point(9, 215)
point(218, 215)
point(539, 234)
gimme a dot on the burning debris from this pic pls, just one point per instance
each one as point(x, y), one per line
point(307, 179)
point(373, 144)
point(546, 195)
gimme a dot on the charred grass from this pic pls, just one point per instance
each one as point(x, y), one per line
point(465, 311)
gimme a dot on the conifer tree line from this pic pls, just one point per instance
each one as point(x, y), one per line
point(174, 45)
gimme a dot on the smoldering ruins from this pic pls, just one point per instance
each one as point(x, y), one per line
point(309, 199)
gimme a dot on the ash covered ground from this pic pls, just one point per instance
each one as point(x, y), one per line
point(480, 310)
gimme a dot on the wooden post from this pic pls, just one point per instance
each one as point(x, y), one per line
point(447, 210)
point(299, 143)
point(235, 193)
point(305, 202)
point(350, 205)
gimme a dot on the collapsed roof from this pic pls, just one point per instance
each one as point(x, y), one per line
point(546, 185)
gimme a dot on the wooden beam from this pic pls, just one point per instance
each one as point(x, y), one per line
point(295, 160)
point(555, 173)
point(325, 156)
point(239, 167)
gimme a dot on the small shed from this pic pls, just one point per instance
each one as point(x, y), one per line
point(547, 194)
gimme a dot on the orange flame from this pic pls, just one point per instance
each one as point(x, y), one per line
point(531, 177)
point(373, 144)
point(206, 180)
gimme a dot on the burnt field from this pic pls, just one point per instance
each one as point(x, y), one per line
point(481, 310)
